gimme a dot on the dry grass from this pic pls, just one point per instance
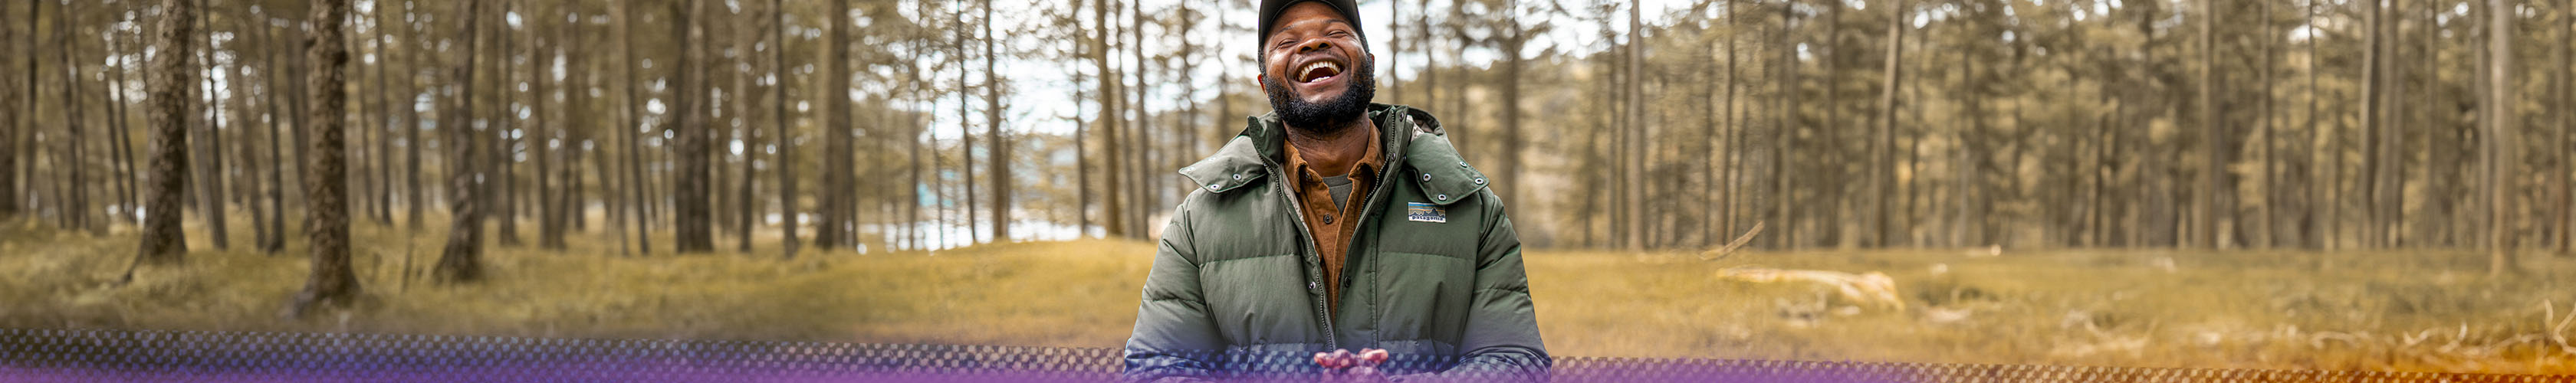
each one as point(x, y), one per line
point(2414, 311)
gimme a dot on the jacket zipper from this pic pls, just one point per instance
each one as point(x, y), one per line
point(1279, 184)
point(1278, 179)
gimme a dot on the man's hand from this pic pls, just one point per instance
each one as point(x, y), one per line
point(1344, 367)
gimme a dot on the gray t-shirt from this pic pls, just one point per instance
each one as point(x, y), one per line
point(1341, 189)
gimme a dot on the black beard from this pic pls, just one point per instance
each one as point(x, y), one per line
point(1330, 116)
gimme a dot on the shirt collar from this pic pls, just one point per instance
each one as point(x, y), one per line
point(1367, 167)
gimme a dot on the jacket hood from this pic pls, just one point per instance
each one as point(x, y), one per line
point(1425, 153)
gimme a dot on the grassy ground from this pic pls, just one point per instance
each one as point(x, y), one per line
point(2413, 311)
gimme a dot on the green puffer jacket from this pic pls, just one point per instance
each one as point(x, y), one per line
point(1433, 274)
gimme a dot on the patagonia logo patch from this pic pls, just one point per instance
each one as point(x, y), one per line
point(1423, 212)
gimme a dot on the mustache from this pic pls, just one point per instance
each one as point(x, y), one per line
point(1331, 115)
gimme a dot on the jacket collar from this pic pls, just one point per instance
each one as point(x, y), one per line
point(1424, 150)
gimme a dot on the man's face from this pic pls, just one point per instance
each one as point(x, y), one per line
point(1314, 70)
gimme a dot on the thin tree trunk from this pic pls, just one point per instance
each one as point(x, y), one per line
point(550, 206)
point(2500, 127)
point(415, 202)
point(965, 131)
point(76, 209)
point(9, 152)
point(1634, 142)
point(2213, 146)
point(2272, 201)
point(210, 163)
point(500, 181)
point(246, 171)
point(277, 195)
point(830, 228)
point(634, 219)
point(1784, 128)
point(1110, 113)
point(1887, 124)
point(124, 142)
point(786, 141)
point(162, 242)
point(998, 145)
point(2566, 121)
point(461, 261)
point(2319, 171)
point(1082, 131)
point(2373, 226)
point(748, 204)
point(383, 138)
point(693, 224)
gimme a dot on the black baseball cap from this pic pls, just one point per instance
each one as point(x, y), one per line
point(1270, 10)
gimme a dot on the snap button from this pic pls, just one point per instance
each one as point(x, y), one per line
point(1462, 164)
point(1444, 197)
point(1328, 219)
point(1426, 177)
point(1214, 186)
point(1238, 176)
point(1480, 180)
point(1312, 285)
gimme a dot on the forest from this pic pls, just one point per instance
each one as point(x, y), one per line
point(830, 128)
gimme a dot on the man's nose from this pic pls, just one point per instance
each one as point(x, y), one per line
point(1312, 45)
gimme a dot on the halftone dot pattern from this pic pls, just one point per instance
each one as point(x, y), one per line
point(97, 355)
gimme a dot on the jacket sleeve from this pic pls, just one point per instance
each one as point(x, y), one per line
point(1501, 342)
point(1174, 340)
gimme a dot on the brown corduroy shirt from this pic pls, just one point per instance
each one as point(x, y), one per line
point(1332, 226)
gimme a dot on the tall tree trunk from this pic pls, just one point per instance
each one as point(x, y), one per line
point(1082, 131)
point(965, 132)
point(1784, 128)
point(9, 127)
point(382, 155)
point(209, 145)
point(277, 195)
point(549, 134)
point(830, 230)
point(1507, 178)
point(1634, 144)
point(1887, 124)
point(1111, 198)
point(1732, 162)
point(333, 280)
point(124, 141)
point(74, 209)
point(2500, 128)
point(246, 172)
point(2373, 227)
point(162, 242)
point(786, 141)
point(741, 94)
point(2268, 230)
point(2319, 171)
point(1142, 123)
point(634, 219)
point(693, 225)
point(299, 103)
point(414, 201)
point(999, 146)
point(2566, 121)
point(462, 259)
point(499, 180)
point(2213, 146)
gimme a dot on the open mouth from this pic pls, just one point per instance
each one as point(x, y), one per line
point(1318, 71)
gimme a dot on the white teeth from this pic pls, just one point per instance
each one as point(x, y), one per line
point(1310, 68)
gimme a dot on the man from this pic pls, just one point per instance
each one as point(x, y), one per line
point(1335, 224)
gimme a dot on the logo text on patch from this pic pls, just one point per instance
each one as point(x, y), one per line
point(1423, 212)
